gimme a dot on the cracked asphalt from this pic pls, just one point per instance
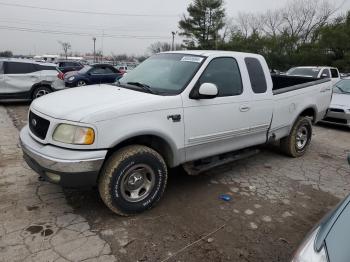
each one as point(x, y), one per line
point(275, 201)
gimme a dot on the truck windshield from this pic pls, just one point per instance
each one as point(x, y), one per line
point(299, 71)
point(164, 73)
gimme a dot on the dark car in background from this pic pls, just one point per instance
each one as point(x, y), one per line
point(68, 66)
point(94, 74)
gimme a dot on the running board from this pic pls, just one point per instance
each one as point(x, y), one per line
point(199, 166)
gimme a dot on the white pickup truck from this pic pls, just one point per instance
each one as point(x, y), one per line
point(193, 108)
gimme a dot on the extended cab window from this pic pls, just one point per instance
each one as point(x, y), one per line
point(19, 68)
point(256, 75)
point(334, 73)
point(325, 74)
point(224, 73)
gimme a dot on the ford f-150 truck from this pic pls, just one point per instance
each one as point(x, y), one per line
point(198, 109)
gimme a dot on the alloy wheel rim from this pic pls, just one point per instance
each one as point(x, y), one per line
point(81, 83)
point(137, 183)
point(41, 93)
point(302, 137)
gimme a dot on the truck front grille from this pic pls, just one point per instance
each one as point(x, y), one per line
point(38, 125)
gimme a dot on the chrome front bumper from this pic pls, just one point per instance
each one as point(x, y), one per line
point(74, 167)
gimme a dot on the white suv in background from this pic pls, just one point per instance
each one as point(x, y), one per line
point(26, 80)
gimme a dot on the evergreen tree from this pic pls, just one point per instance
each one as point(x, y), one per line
point(202, 25)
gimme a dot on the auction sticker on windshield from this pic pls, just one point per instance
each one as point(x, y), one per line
point(193, 59)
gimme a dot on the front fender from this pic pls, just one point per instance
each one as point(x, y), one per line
point(178, 154)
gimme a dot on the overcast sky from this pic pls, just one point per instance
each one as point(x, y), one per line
point(123, 33)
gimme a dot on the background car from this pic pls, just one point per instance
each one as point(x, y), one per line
point(26, 79)
point(94, 74)
point(315, 72)
point(68, 66)
point(329, 240)
point(339, 109)
point(122, 68)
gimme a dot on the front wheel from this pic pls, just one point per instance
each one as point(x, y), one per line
point(81, 83)
point(133, 180)
point(298, 141)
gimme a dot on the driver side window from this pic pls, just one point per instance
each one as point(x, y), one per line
point(224, 73)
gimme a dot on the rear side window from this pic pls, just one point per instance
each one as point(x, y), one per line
point(334, 73)
point(44, 67)
point(19, 68)
point(325, 74)
point(224, 73)
point(256, 75)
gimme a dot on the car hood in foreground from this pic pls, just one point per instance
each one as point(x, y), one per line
point(101, 102)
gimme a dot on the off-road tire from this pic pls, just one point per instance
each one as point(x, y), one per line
point(117, 166)
point(41, 89)
point(289, 144)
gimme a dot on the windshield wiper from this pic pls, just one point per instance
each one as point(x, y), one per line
point(143, 86)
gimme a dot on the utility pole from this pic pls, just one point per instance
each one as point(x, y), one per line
point(94, 38)
point(173, 42)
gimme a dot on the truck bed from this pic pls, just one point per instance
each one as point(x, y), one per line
point(284, 83)
point(293, 95)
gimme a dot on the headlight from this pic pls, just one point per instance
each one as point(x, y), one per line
point(307, 252)
point(71, 78)
point(70, 134)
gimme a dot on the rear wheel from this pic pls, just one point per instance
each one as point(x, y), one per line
point(133, 180)
point(41, 91)
point(298, 141)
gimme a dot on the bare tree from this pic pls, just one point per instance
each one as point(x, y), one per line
point(65, 46)
point(303, 17)
point(272, 22)
point(300, 20)
point(248, 23)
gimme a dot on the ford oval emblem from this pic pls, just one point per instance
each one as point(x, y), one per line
point(34, 122)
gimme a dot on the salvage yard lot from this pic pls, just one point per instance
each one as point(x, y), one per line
point(276, 200)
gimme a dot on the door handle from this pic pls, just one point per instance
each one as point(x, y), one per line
point(325, 90)
point(244, 108)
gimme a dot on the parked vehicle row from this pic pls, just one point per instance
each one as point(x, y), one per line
point(176, 108)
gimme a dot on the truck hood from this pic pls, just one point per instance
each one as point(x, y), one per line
point(340, 100)
point(100, 102)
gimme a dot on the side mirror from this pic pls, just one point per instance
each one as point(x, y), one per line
point(205, 91)
point(208, 91)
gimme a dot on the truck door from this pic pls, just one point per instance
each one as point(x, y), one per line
point(226, 122)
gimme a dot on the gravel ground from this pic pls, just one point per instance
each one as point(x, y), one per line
point(275, 201)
